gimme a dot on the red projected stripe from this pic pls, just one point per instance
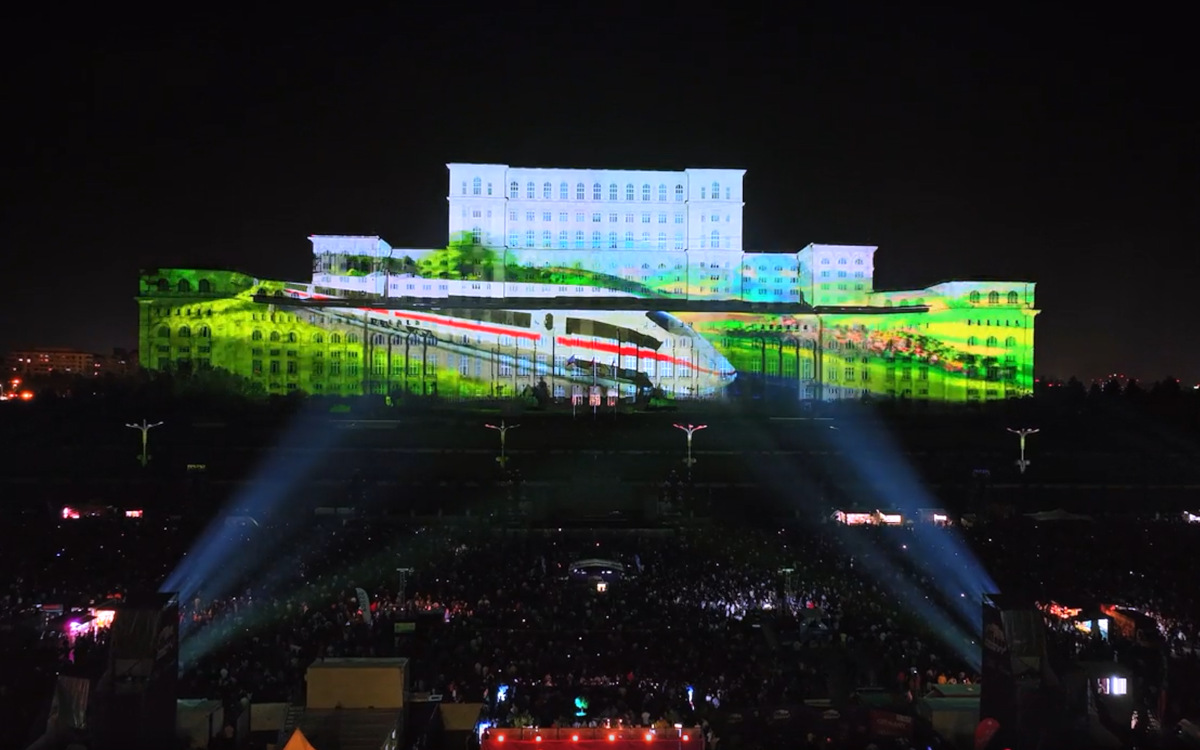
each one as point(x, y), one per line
point(631, 351)
point(451, 323)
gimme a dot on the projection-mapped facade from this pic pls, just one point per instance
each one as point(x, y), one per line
point(623, 283)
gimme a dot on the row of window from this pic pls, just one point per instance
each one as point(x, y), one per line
point(993, 298)
point(204, 286)
point(530, 239)
point(580, 192)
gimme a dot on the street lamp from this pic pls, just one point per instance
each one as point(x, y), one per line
point(503, 430)
point(1023, 433)
point(145, 427)
point(403, 574)
point(690, 429)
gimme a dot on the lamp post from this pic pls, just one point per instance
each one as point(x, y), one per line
point(145, 427)
point(403, 574)
point(1023, 433)
point(503, 429)
point(691, 430)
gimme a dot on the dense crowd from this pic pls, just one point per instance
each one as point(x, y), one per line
point(693, 624)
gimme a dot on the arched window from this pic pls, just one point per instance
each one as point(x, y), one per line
point(183, 286)
point(612, 191)
point(335, 338)
point(679, 193)
point(1010, 341)
point(318, 338)
point(547, 239)
point(645, 192)
point(580, 191)
point(476, 186)
point(377, 339)
point(291, 337)
point(256, 336)
point(530, 191)
point(204, 332)
point(163, 285)
point(991, 341)
point(841, 261)
point(858, 261)
point(205, 286)
point(974, 298)
point(629, 192)
point(514, 190)
point(1014, 298)
point(629, 239)
point(579, 239)
point(164, 332)
point(597, 192)
point(993, 298)
point(274, 335)
point(716, 238)
point(351, 338)
point(597, 239)
point(972, 341)
point(716, 190)
point(612, 239)
point(547, 190)
point(563, 191)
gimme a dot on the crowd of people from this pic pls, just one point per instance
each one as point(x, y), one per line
point(691, 625)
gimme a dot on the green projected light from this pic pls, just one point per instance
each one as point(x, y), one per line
point(716, 323)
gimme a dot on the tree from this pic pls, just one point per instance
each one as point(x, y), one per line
point(461, 259)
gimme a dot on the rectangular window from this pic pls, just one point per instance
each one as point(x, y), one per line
point(547, 216)
point(275, 369)
point(562, 216)
point(512, 215)
point(292, 367)
point(529, 215)
point(595, 218)
point(645, 218)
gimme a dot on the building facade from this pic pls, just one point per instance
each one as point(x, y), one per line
point(619, 282)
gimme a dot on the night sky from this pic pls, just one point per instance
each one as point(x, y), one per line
point(1059, 149)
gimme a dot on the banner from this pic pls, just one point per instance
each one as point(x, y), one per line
point(364, 604)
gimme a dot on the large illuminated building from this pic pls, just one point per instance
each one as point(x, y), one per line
point(623, 283)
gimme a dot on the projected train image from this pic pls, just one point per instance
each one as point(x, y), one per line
point(631, 352)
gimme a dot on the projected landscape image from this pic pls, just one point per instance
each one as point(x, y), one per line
point(451, 345)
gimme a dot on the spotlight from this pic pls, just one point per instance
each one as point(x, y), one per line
point(499, 738)
point(574, 738)
point(649, 737)
point(537, 738)
point(686, 738)
point(612, 738)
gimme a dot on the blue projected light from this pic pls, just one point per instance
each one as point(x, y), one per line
point(224, 555)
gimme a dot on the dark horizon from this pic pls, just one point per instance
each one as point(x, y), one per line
point(1056, 149)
